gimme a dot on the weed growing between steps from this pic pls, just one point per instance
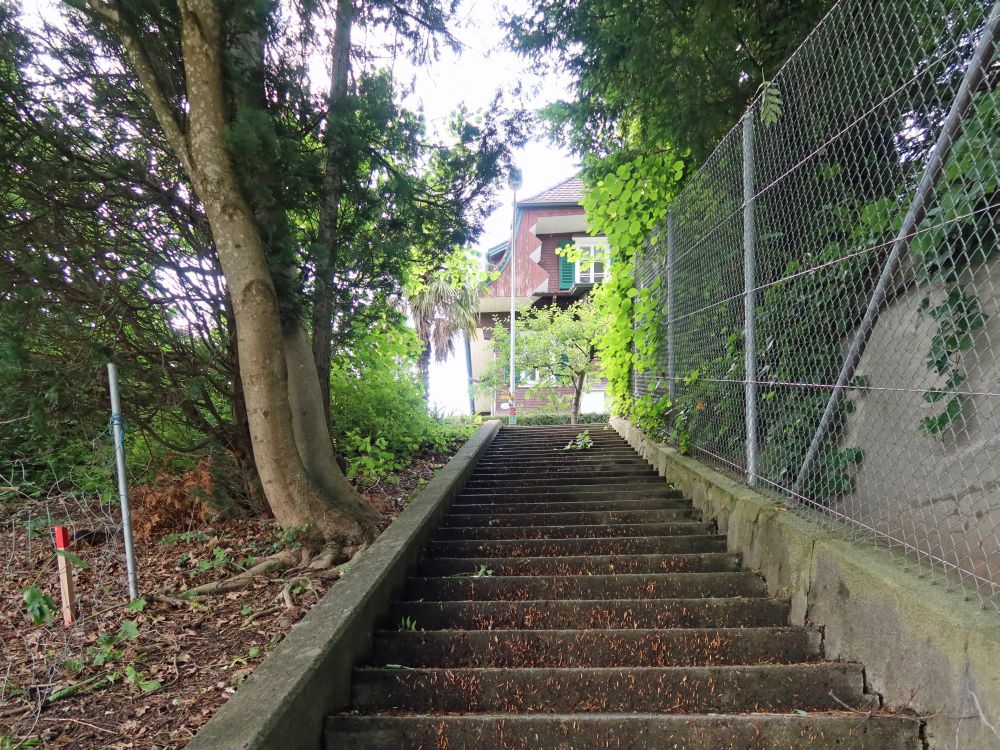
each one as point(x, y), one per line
point(581, 442)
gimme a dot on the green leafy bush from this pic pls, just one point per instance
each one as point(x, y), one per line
point(627, 198)
point(379, 417)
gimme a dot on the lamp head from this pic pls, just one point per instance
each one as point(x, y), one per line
point(514, 180)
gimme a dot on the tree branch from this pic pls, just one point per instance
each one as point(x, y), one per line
point(109, 13)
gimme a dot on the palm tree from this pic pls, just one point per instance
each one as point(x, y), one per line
point(441, 311)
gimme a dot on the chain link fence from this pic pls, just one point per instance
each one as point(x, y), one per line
point(829, 288)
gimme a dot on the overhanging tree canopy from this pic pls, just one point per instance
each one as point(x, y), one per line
point(210, 113)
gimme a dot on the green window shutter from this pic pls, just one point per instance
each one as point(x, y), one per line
point(567, 269)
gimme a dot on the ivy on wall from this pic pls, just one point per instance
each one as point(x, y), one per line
point(958, 233)
point(626, 200)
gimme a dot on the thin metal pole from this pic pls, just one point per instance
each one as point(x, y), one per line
point(468, 371)
point(671, 325)
point(918, 208)
point(117, 429)
point(512, 419)
point(749, 298)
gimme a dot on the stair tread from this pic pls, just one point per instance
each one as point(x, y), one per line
point(637, 731)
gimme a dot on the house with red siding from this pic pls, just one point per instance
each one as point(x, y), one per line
point(542, 224)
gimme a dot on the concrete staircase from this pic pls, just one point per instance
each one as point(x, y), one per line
point(572, 600)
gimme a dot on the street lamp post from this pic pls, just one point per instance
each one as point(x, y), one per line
point(515, 183)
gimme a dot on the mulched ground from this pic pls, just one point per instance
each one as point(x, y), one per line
point(150, 677)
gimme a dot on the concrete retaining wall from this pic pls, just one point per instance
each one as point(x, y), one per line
point(922, 647)
point(285, 701)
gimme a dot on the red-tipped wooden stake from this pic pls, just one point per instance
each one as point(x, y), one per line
point(65, 577)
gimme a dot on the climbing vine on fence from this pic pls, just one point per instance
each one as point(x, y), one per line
point(809, 306)
point(958, 233)
point(627, 199)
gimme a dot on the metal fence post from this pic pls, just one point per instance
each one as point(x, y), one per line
point(749, 298)
point(117, 429)
point(671, 325)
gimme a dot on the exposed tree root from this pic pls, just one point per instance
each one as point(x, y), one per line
point(175, 601)
point(279, 561)
point(289, 561)
point(325, 559)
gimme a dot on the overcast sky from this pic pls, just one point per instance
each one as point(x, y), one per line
point(472, 76)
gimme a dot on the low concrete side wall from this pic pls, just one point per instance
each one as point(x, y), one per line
point(285, 701)
point(921, 646)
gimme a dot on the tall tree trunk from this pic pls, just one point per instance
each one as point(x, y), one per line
point(329, 213)
point(578, 384)
point(298, 498)
point(424, 369)
point(311, 434)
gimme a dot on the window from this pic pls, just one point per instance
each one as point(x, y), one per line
point(528, 378)
point(592, 267)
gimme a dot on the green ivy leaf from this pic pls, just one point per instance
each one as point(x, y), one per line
point(72, 558)
point(39, 605)
point(128, 630)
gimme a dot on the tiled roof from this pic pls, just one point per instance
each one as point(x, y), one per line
point(566, 193)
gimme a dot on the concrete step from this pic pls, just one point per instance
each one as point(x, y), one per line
point(617, 586)
point(522, 429)
point(563, 494)
point(666, 545)
point(573, 506)
point(599, 531)
point(758, 688)
point(571, 518)
point(598, 433)
point(676, 647)
point(556, 454)
point(580, 469)
point(624, 470)
point(558, 449)
point(600, 445)
point(607, 617)
point(648, 487)
point(543, 466)
point(567, 464)
point(550, 482)
point(597, 438)
point(719, 562)
point(626, 731)
point(615, 614)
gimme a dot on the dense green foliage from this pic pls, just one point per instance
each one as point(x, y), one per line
point(105, 254)
point(379, 417)
point(657, 85)
point(628, 205)
point(959, 233)
point(98, 263)
point(658, 72)
point(645, 78)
